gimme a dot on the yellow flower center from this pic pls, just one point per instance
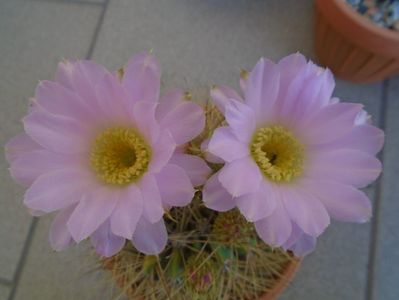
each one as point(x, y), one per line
point(278, 154)
point(120, 155)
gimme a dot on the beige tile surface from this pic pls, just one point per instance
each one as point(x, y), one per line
point(34, 37)
point(4, 291)
point(72, 274)
point(204, 42)
point(84, 2)
point(386, 272)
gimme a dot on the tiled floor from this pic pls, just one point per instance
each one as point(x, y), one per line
point(198, 43)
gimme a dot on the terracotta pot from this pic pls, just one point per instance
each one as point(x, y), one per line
point(352, 46)
point(287, 277)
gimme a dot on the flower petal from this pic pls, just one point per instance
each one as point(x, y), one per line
point(327, 89)
point(343, 202)
point(57, 133)
point(162, 151)
point(343, 165)
point(276, 228)
point(127, 212)
point(259, 204)
point(30, 165)
point(244, 74)
point(18, 145)
point(262, 88)
point(299, 242)
point(241, 119)
point(175, 186)
point(316, 92)
point(105, 242)
point(142, 77)
point(309, 89)
point(363, 118)
point(364, 138)
point(296, 233)
point(289, 97)
point(81, 76)
point(290, 66)
point(306, 211)
point(196, 168)
point(330, 123)
point(64, 73)
point(231, 176)
point(59, 100)
point(58, 189)
point(209, 156)
point(168, 102)
point(93, 209)
point(185, 121)
point(149, 238)
point(225, 145)
point(215, 195)
point(304, 245)
point(60, 238)
point(221, 95)
point(152, 202)
point(144, 114)
point(113, 100)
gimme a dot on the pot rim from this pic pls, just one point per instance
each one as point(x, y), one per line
point(288, 276)
point(357, 28)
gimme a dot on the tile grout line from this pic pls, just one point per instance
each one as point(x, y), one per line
point(83, 2)
point(23, 257)
point(26, 247)
point(97, 29)
point(377, 200)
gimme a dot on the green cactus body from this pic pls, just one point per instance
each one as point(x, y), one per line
point(210, 255)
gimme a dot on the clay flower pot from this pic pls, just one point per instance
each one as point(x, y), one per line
point(283, 282)
point(352, 46)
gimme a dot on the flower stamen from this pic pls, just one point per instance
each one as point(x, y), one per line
point(120, 155)
point(278, 154)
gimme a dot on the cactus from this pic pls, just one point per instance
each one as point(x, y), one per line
point(210, 255)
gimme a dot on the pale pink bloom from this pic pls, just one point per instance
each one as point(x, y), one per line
point(102, 151)
point(294, 157)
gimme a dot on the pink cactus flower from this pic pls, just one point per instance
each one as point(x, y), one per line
point(294, 157)
point(101, 150)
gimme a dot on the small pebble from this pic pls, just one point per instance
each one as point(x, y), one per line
point(384, 13)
